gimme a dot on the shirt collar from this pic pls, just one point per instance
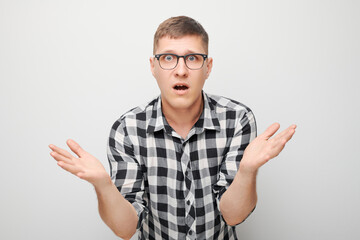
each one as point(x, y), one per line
point(207, 120)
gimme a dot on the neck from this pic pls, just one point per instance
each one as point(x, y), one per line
point(182, 120)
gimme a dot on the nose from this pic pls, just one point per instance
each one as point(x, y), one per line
point(181, 69)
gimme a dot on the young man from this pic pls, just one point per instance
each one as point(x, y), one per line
point(181, 165)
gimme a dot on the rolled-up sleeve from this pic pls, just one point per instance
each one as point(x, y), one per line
point(245, 131)
point(125, 170)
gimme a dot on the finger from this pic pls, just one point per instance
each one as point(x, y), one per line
point(271, 130)
point(285, 132)
point(280, 143)
point(59, 157)
point(60, 151)
point(68, 167)
point(75, 147)
point(290, 134)
point(81, 175)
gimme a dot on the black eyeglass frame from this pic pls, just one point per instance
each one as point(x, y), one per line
point(157, 56)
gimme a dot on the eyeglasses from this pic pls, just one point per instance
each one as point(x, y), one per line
point(169, 61)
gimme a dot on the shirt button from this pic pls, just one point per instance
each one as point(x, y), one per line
point(190, 232)
point(188, 202)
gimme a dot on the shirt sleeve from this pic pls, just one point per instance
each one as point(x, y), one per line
point(125, 170)
point(245, 131)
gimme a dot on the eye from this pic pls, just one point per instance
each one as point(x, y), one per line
point(168, 58)
point(192, 58)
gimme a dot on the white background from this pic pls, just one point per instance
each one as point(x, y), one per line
point(69, 69)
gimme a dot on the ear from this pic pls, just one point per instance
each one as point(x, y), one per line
point(152, 65)
point(209, 65)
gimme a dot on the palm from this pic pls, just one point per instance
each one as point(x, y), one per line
point(89, 165)
point(262, 148)
point(86, 166)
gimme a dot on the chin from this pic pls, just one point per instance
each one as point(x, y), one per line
point(181, 103)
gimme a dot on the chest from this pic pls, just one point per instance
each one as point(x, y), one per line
point(168, 162)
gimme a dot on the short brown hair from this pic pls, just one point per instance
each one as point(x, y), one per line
point(177, 27)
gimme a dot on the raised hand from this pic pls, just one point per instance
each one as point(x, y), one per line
point(86, 166)
point(262, 148)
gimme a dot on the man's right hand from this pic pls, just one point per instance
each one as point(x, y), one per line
point(86, 166)
point(114, 209)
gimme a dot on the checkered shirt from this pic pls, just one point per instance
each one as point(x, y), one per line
point(175, 184)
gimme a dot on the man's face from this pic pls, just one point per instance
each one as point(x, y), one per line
point(192, 80)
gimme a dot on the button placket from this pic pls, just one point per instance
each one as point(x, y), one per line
point(191, 234)
point(189, 190)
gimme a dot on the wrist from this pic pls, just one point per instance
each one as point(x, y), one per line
point(102, 183)
point(247, 169)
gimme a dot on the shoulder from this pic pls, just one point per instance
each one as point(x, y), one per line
point(222, 104)
point(232, 114)
point(137, 116)
point(140, 111)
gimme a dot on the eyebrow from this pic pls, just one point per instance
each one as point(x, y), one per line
point(173, 52)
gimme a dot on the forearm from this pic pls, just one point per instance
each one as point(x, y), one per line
point(116, 211)
point(240, 198)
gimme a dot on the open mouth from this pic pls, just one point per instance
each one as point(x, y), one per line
point(180, 87)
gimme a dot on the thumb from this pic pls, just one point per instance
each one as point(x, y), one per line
point(270, 130)
point(75, 147)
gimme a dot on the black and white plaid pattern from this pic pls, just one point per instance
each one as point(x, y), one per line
point(175, 184)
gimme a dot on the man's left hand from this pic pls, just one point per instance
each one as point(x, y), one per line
point(262, 148)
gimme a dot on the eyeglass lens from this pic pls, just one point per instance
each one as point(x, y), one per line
point(192, 61)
